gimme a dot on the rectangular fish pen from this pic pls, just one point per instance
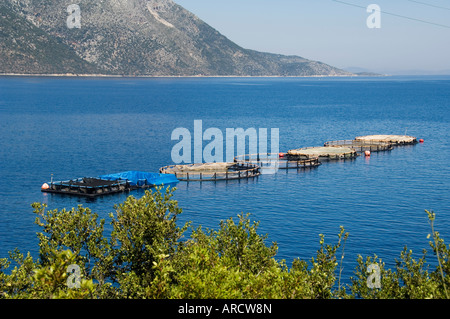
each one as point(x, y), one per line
point(108, 184)
point(86, 186)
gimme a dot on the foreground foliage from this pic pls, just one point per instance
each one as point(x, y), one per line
point(146, 255)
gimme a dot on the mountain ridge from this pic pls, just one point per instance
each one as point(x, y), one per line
point(132, 38)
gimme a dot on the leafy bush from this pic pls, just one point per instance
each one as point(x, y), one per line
point(146, 255)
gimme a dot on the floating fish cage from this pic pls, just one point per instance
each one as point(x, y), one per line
point(212, 171)
point(393, 139)
point(277, 161)
point(86, 186)
point(322, 152)
point(243, 167)
point(361, 146)
point(109, 184)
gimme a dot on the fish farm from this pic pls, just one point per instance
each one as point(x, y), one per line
point(244, 167)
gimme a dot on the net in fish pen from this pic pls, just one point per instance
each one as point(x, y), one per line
point(393, 139)
point(275, 161)
point(108, 184)
point(212, 171)
point(322, 152)
point(362, 145)
point(86, 186)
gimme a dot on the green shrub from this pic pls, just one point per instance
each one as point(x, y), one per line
point(146, 255)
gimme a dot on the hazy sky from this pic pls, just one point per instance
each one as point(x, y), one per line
point(413, 35)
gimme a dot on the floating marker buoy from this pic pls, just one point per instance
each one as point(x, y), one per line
point(367, 153)
point(281, 154)
point(45, 186)
point(421, 140)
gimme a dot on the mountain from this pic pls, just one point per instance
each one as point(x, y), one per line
point(131, 37)
point(24, 48)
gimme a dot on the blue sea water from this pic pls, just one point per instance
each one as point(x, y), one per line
point(75, 127)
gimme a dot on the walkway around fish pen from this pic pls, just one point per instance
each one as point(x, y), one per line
point(277, 161)
point(108, 184)
point(86, 186)
point(203, 172)
point(362, 145)
point(393, 139)
point(322, 152)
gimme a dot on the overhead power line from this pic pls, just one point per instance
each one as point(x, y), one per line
point(429, 4)
point(396, 15)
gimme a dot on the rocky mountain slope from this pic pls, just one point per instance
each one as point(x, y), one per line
point(130, 37)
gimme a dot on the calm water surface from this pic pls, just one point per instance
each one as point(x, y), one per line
point(72, 127)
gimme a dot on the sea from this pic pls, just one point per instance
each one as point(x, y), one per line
point(59, 128)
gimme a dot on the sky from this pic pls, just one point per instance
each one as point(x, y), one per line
point(410, 37)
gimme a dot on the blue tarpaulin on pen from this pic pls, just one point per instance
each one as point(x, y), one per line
point(137, 178)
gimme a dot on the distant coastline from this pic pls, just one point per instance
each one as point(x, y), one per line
point(188, 76)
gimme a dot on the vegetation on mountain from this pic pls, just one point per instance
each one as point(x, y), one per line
point(132, 38)
point(24, 48)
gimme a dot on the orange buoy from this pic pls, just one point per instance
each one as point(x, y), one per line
point(45, 186)
point(367, 153)
point(421, 140)
point(281, 154)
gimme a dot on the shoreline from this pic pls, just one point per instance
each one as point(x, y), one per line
point(71, 75)
point(180, 76)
